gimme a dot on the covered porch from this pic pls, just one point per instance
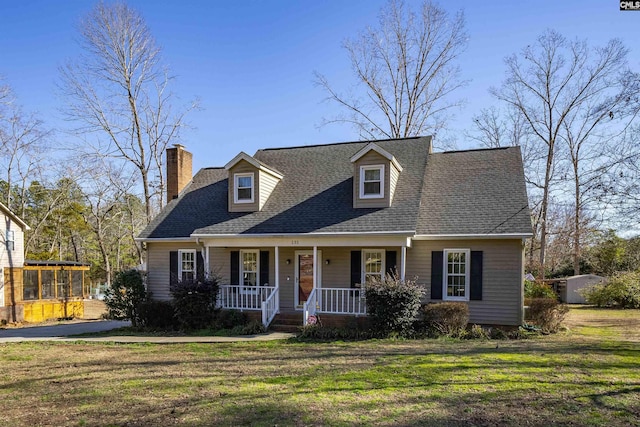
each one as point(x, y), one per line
point(303, 275)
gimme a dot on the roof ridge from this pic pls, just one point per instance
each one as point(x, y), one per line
point(363, 141)
point(476, 149)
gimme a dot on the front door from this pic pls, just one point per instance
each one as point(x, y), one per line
point(304, 275)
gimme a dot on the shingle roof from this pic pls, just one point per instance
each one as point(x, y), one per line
point(316, 195)
point(475, 192)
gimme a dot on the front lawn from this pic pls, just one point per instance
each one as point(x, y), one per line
point(587, 376)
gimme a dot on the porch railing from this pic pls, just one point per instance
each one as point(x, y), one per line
point(242, 298)
point(342, 301)
point(239, 297)
point(270, 307)
point(310, 306)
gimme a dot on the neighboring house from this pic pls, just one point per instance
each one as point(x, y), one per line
point(298, 230)
point(34, 291)
point(11, 254)
point(570, 292)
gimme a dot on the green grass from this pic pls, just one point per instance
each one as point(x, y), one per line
point(579, 377)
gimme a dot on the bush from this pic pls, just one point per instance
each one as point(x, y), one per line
point(476, 332)
point(158, 315)
point(622, 291)
point(446, 318)
point(547, 314)
point(125, 296)
point(229, 319)
point(252, 328)
point(393, 305)
point(194, 302)
point(319, 332)
point(533, 289)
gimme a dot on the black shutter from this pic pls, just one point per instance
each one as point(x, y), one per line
point(264, 268)
point(436, 274)
point(391, 262)
point(476, 276)
point(356, 268)
point(173, 268)
point(199, 266)
point(235, 268)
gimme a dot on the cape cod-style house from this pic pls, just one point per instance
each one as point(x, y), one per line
point(299, 229)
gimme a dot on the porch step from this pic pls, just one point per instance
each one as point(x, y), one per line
point(286, 322)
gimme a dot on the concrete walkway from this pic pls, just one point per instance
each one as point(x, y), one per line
point(63, 331)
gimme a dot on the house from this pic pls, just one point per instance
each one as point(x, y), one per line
point(11, 256)
point(34, 291)
point(299, 229)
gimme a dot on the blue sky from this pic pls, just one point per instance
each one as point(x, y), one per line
point(251, 63)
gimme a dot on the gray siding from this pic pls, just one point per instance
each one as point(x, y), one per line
point(244, 167)
point(158, 267)
point(393, 181)
point(371, 158)
point(267, 183)
point(502, 276)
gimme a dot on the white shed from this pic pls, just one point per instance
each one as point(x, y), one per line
point(570, 295)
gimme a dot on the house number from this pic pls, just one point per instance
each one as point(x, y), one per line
point(295, 242)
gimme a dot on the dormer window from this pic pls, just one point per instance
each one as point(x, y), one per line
point(372, 182)
point(244, 188)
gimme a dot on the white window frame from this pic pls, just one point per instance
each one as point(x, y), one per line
point(236, 178)
point(195, 263)
point(364, 273)
point(10, 239)
point(256, 252)
point(365, 168)
point(445, 274)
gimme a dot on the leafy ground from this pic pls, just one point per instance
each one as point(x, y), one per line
point(589, 375)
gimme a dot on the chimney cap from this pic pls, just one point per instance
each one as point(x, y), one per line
point(179, 146)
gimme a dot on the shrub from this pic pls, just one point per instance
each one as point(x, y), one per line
point(547, 314)
point(393, 305)
point(319, 332)
point(229, 319)
point(194, 302)
point(622, 291)
point(533, 289)
point(446, 318)
point(252, 328)
point(477, 332)
point(157, 314)
point(125, 296)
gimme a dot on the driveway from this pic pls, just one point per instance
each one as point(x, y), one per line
point(52, 332)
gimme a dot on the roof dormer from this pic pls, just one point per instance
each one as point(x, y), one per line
point(375, 176)
point(250, 183)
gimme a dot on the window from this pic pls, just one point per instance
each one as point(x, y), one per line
point(48, 287)
point(372, 182)
point(244, 188)
point(249, 268)
point(456, 274)
point(372, 264)
point(186, 265)
point(76, 283)
point(11, 240)
point(62, 280)
point(30, 285)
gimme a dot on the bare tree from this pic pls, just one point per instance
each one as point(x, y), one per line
point(23, 144)
point(553, 84)
point(118, 90)
point(405, 71)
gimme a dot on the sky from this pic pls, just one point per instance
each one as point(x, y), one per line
point(251, 63)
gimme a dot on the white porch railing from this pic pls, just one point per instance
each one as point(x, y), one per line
point(342, 301)
point(270, 307)
point(310, 306)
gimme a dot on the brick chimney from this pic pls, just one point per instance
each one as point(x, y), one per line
point(179, 170)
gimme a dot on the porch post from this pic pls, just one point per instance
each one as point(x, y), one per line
point(315, 267)
point(207, 267)
point(403, 262)
point(277, 250)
